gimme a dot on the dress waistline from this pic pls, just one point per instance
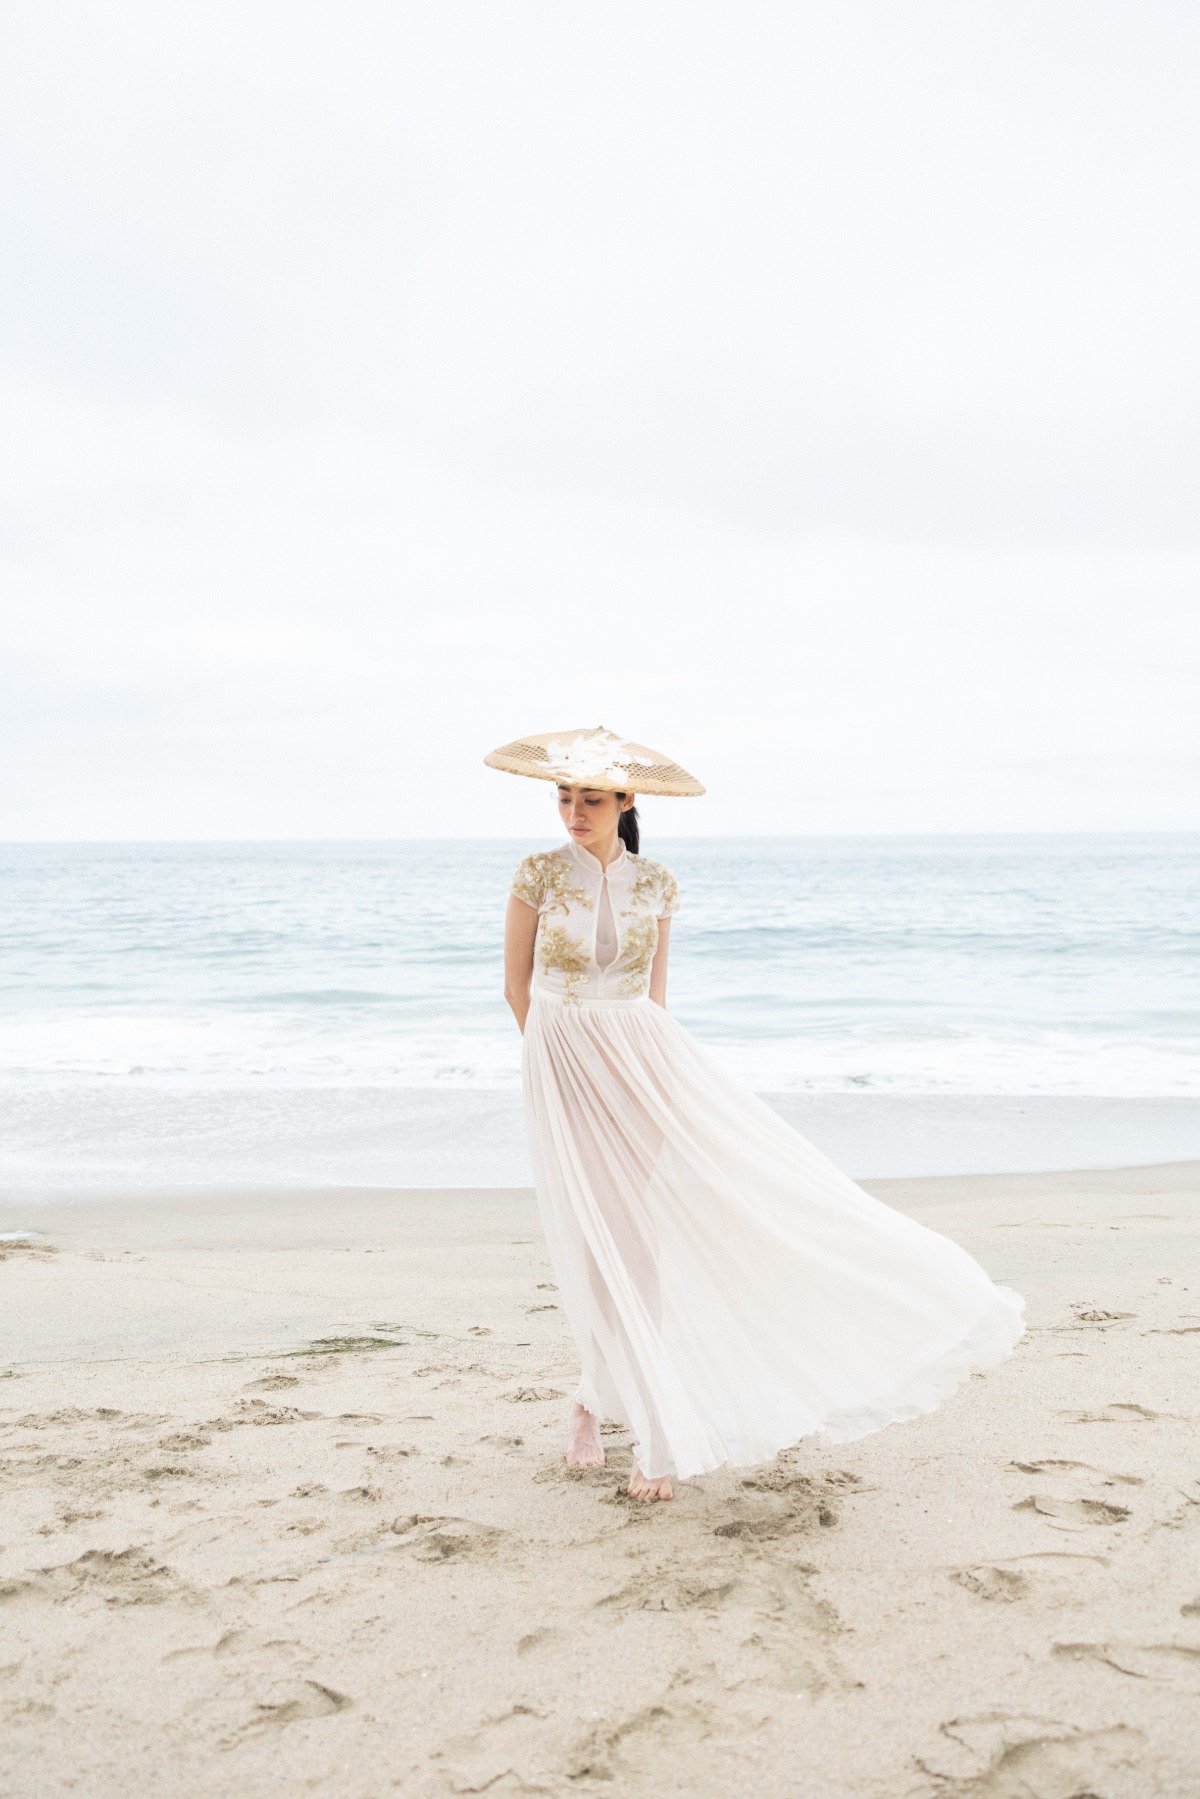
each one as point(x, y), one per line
point(543, 995)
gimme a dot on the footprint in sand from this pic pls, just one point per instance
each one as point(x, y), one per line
point(796, 1667)
point(1073, 1514)
point(529, 1395)
point(115, 1576)
point(1175, 1664)
point(1049, 1573)
point(239, 1640)
point(1184, 1512)
point(439, 1376)
point(661, 1590)
point(184, 1439)
point(70, 1515)
point(1047, 1463)
point(433, 1538)
point(259, 1411)
point(782, 1479)
point(1119, 1412)
point(20, 1243)
point(303, 1702)
point(1058, 1465)
point(271, 1383)
point(624, 1750)
point(557, 1473)
point(1003, 1584)
point(803, 1501)
point(998, 1752)
point(100, 1414)
point(481, 1758)
point(766, 1530)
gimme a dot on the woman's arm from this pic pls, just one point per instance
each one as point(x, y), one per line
point(520, 930)
point(658, 968)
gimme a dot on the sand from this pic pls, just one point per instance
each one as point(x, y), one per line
point(284, 1508)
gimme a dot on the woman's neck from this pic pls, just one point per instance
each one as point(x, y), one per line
point(606, 852)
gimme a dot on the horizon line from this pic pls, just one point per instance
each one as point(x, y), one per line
point(659, 837)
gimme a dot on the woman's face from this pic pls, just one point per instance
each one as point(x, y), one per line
point(589, 814)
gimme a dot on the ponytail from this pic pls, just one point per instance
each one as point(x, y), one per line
point(627, 827)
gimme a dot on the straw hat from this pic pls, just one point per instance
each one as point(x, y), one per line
point(594, 758)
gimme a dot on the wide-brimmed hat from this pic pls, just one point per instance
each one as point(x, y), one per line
point(594, 757)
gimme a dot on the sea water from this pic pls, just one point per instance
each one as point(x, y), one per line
point(190, 994)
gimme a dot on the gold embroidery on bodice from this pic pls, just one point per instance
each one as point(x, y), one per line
point(597, 926)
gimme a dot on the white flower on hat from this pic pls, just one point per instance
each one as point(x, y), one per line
point(591, 756)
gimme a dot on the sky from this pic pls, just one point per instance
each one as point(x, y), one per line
point(808, 391)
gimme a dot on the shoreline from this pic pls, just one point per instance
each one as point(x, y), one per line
point(125, 1137)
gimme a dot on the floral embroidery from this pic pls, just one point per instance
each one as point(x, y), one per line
point(528, 883)
point(643, 886)
point(655, 886)
point(557, 948)
point(641, 941)
point(545, 878)
point(555, 882)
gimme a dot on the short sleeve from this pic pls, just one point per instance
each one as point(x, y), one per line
point(529, 882)
point(668, 903)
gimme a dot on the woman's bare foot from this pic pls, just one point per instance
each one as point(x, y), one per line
point(640, 1487)
point(584, 1448)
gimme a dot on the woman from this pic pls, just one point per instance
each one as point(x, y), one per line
point(729, 1289)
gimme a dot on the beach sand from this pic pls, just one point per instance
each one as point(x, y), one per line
point(284, 1508)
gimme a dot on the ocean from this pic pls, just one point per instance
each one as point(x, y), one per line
point(162, 1004)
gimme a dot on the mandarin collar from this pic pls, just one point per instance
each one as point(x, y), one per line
point(585, 858)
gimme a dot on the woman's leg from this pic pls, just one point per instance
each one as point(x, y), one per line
point(638, 1253)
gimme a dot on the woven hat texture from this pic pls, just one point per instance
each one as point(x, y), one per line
point(594, 757)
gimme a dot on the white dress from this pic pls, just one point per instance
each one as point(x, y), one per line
point(729, 1289)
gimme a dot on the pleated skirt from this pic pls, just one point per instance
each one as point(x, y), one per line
point(729, 1289)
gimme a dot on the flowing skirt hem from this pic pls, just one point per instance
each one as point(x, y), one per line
point(991, 1340)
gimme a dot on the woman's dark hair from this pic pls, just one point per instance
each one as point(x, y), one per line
point(627, 827)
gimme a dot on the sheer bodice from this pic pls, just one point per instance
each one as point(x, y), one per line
point(606, 930)
point(597, 927)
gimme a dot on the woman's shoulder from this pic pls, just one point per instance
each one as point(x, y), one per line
point(655, 879)
point(533, 874)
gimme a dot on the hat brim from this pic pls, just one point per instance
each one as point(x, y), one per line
point(641, 770)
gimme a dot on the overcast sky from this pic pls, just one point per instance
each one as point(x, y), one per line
point(810, 391)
